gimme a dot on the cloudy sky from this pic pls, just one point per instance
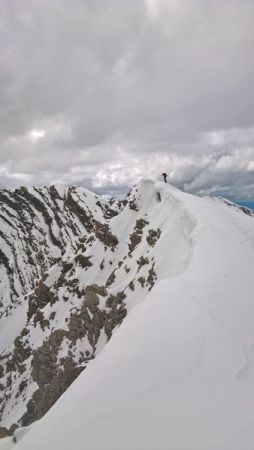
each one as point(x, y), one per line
point(103, 92)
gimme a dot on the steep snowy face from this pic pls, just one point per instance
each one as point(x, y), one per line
point(37, 226)
point(71, 313)
point(179, 372)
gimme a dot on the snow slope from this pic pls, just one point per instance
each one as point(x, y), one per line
point(179, 372)
point(67, 319)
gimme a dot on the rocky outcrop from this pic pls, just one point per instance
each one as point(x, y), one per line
point(54, 375)
point(36, 226)
point(41, 297)
point(75, 300)
point(83, 261)
point(142, 261)
point(136, 235)
point(45, 397)
point(153, 236)
point(104, 234)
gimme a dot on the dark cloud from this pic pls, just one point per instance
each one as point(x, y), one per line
point(102, 93)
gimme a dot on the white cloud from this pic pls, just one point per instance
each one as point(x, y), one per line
point(250, 166)
point(36, 134)
point(152, 9)
point(117, 91)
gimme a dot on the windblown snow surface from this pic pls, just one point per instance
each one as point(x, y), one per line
point(178, 374)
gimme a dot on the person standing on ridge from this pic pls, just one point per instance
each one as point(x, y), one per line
point(164, 176)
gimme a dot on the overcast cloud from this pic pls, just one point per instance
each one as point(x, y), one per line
point(103, 92)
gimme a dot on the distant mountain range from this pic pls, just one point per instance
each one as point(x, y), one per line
point(247, 203)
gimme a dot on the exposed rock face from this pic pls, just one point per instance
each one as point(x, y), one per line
point(45, 397)
point(51, 377)
point(153, 236)
point(136, 236)
point(142, 261)
point(54, 376)
point(36, 226)
point(42, 296)
point(103, 233)
point(84, 261)
point(44, 362)
point(79, 277)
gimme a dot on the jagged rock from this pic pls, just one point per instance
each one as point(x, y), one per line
point(133, 205)
point(10, 366)
point(142, 261)
point(13, 427)
point(80, 322)
point(21, 368)
point(52, 315)
point(111, 279)
point(91, 296)
point(39, 299)
point(131, 285)
point(22, 386)
point(136, 236)
point(153, 236)
point(115, 317)
point(43, 399)
point(78, 325)
point(83, 261)
point(66, 266)
point(103, 233)
point(24, 332)
point(54, 379)
point(44, 362)
point(21, 351)
point(141, 280)
point(44, 295)
point(84, 218)
point(114, 300)
point(151, 277)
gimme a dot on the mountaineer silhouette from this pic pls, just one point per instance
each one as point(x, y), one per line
point(164, 175)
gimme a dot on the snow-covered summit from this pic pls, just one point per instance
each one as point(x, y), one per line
point(177, 271)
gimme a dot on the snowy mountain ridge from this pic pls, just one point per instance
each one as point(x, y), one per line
point(177, 270)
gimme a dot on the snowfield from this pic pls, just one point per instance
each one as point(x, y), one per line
point(178, 374)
